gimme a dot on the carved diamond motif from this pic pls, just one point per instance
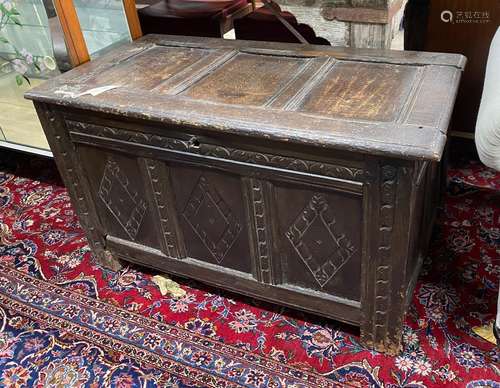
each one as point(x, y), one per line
point(315, 237)
point(211, 219)
point(123, 202)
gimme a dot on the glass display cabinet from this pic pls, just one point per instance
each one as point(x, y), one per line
point(103, 23)
point(26, 59)
point(40, 39)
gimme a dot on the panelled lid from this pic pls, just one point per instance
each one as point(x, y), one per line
point(395, 103)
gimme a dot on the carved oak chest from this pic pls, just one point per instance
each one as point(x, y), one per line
point(301, 175)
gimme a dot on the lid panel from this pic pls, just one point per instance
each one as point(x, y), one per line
point(247, 79)
point(150, 68)
point(377, 102)
point(359, 90)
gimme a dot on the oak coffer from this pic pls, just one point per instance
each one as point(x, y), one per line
point(301, 175)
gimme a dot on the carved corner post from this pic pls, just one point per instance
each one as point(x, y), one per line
point(383, 297)
point(76, 183)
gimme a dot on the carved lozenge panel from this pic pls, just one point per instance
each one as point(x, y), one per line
point(118, 192)
point(320, 239)
point(121, 198)
point(212, 217)
point(317, 240)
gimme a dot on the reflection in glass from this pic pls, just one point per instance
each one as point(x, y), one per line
point(104, 24)
point(26, 60)
point(29, 31)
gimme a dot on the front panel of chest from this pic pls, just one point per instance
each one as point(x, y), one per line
point(279, 219)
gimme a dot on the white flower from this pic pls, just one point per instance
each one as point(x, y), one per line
point(19, 66)
point(410, 338)
point(181, 305)
point(6, 4)
point(74, 262)
point(450, 376)
point(219, 363)
point(27, 56)
point(245, 321)
point(404, 363)
point(423, 367)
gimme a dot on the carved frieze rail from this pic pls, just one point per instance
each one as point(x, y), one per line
point(223, 152)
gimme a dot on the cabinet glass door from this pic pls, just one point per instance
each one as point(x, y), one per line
point(104, 24)
point(33, 49)
point(26, 60)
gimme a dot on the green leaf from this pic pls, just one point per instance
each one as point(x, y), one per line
point(4, 40)
point(27, 79)
point(19, 80)
point(14, 11)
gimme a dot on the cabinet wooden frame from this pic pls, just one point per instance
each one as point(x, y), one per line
point(72, 31)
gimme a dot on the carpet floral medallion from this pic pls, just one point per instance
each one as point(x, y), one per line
point(67, 322)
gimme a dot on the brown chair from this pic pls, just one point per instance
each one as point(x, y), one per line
point(263, 25)
point(193, 18)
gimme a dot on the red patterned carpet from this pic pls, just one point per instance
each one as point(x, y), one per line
point(65, 321)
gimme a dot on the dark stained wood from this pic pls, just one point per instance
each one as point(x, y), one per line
point(127, 98)
point(148, 69)
point(471, 33)
point(316, 232)
point(160, 196)
point(211, 213)
point(296, 174)
point(360, 14)
point(214, 18)
point(333, 307)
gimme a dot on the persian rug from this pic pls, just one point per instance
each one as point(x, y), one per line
point(65, 321)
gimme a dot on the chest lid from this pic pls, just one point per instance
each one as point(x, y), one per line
point(378, 102)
